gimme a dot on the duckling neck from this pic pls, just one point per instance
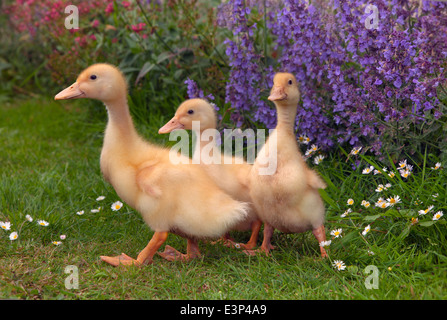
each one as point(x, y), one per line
point(286, 117)
point(200, 144)
point(120, 131)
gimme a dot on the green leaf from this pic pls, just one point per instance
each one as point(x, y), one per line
point(427, 223)
point(371, 218)
point(148, 66)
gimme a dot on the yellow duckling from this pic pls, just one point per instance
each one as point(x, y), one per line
point(287, 199)
point(179, 199)
point(229, 175)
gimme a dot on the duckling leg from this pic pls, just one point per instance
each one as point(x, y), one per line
point(144, 257)
point(171, 254)
point(255, 227)
point(320, 234)
point(266, 245)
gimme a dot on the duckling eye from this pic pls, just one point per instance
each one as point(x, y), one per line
point(290, 82)
point(93, 77)
point(190, 111)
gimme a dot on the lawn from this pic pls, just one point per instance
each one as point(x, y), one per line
point(50, 170)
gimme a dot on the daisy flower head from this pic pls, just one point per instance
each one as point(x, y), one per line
point(339, 265)
point(368, 170)
point(355, 151)
point(365, 203)
point(381, 203)
point(438, 215)
point(405, 173)
point(29, 218)
point(43, 223)
point(422, 212)
point(344, 214)
point(437, 166)
point(117, 205)
point(80, 213)
point(350, 202)
point(403, 164)
point(366, 230)
point(13, 236)
point(325, 244)
point(5, 225)
point(57, 243)
point(391, 175)
point(393, 200)
point(100, 198)
point(95, 210)
point(337, 232)
point(63, 237)
point(414, 220)
point(380, 188)
point(303, 139)
point(318, 159)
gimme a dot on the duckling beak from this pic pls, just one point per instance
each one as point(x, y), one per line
point(277, 94)
point(72, 92)
point(172, 125)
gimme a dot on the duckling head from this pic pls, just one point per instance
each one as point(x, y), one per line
point(100, 81)
point(192, 110)
point(285, 90)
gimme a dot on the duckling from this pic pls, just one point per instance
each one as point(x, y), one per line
point(288, 199)
point(229, 175)
point(172, 198)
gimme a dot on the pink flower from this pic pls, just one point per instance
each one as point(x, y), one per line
point(95, 23)
point(138, 27)
point(109, 8)
point(126, 4)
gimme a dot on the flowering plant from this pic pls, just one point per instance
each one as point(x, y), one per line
point(360, 85)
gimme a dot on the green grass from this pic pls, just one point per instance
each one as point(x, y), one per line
point(49, 155)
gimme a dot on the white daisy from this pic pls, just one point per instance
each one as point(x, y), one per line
point(100, 198)
point(95, 210)
point(13, 236)
point(325, 244)
point(303, 139)
point(393, 200)
point(438, 215)
point(5, 225)
point(366, 230)
point(437, 166)
point(339, 265)
point(29, 218)
point(80, 213)
point(403, 164)
point(365, 203)
point(350, 202)
point(117, 205)
point(337, 232)
point(422, 212)
point(368, 170)
point(355, 151)
point(63, 237)
point(318, 159)
point(43, 223)
point(57, 243)
point(344, 214)
point(380, 188)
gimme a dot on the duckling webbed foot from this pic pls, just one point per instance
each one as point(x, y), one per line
point(172, 254)
point(122, 259)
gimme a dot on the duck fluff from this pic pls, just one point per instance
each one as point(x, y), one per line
point(230, 175)
point(288, 199)
point(172, 198)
